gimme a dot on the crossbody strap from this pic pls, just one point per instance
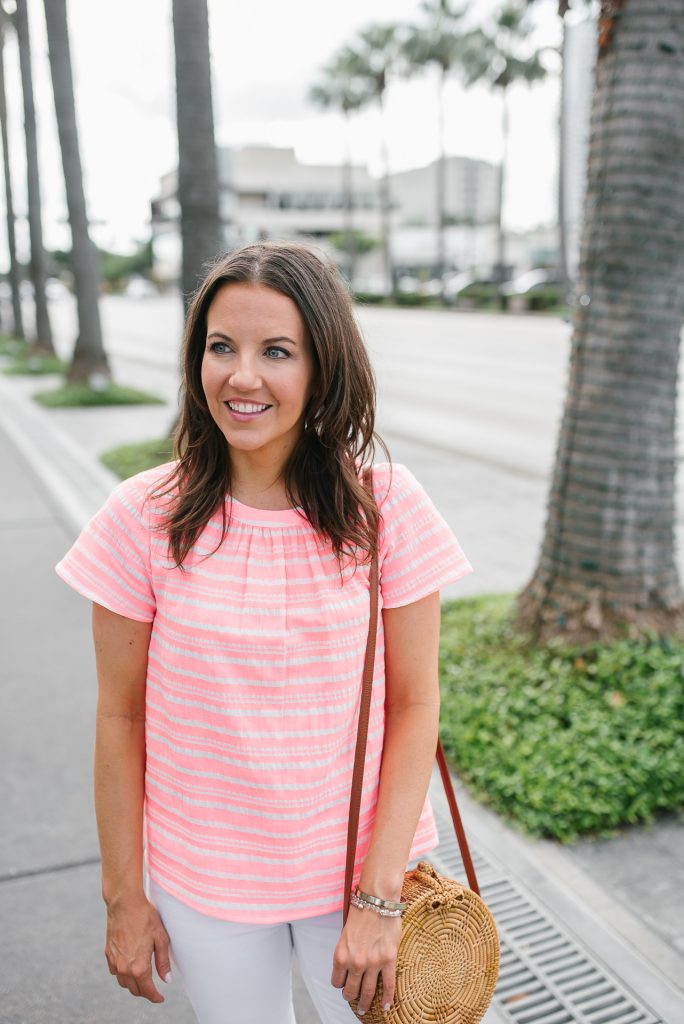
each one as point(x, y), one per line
point(361, 739)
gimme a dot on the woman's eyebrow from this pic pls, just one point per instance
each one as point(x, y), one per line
point(266, 341)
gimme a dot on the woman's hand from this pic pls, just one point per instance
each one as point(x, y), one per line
point(367, 947)
point(134, 933)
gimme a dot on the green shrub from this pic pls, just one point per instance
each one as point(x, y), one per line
point(565, 741)
point(480, 293)
point(129, 459)
point(75, 393)
point(546, 298)
point(414, 299)
point(370, 298)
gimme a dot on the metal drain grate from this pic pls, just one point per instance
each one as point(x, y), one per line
point(545, 976)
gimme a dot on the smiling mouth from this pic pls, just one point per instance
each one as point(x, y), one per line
point(247, 408)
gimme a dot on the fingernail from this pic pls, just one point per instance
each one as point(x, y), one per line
point(361, 1013)
point(169, 978)
point(386, 1007)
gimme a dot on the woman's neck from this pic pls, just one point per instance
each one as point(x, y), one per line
point(259, 484)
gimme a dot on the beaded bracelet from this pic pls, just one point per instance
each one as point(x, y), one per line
point(364, 905)
point(387, 904)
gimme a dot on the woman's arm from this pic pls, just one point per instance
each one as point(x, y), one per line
point(411, 732)
point(369, 943)
point(134, 929)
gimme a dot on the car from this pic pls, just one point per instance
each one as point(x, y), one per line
point(140, 288)
point(531, 280)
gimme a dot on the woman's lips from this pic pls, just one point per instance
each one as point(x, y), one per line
point(245, 417)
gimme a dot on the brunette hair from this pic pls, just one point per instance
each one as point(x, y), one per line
point(339, 435)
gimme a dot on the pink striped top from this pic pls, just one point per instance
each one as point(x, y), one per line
point(253, 688)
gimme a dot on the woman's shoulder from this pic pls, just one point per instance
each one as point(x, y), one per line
point(150, 485)
point(390, 480)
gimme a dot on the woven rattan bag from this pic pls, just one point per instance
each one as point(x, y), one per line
point(448, 959)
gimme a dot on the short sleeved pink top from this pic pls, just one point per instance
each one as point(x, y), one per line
point(253, 688)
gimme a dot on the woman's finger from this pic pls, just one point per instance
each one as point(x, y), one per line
point(389, 984)
point(162, 960)
point(352, 986)
point(142, 976)
point(368, 987)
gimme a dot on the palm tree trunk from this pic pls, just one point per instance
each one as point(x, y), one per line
point(89, 361)
point(198, 190)
point(607, 562)
point(38, 264)
point(11, 240)
point(348, 199)
point(385, 204)
point(440, 183)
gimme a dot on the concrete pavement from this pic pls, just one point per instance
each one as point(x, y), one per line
point(623, 898)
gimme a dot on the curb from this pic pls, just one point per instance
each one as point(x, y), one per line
point(77, 483)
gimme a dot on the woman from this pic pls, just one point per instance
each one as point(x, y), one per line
point(230, 595)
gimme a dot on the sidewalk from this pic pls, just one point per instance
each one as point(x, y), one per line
point(620, 901)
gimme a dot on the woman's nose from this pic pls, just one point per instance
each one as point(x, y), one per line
point(245, 375)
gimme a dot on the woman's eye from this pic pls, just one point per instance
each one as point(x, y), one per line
point(218, 346)
point(280, 351)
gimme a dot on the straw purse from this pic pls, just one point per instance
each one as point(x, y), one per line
point(448, 958)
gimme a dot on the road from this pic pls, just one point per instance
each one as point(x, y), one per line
point(470, 401)
point(484, 385)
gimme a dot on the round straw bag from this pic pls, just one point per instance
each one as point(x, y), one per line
point(448, 958)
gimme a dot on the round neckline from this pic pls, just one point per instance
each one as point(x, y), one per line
point(249, 514)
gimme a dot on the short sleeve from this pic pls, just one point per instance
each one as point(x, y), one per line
point(110, 561)
point(419, 553)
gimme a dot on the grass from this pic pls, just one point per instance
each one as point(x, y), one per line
point(26, 364)
point(73, 394)
point(11, 346)
point(563, 741)
point(129, 459)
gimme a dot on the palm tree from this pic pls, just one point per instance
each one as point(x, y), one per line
point(38, 264)
point(498, 58)
point(437, 42)
point(376, 54)
point(89, 361)
point(14, 275)
point(607, 560)
point(339, 87)
point(198, 189)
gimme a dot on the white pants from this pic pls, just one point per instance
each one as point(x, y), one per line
point(236, 973)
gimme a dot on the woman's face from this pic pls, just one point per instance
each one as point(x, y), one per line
point(257, 369)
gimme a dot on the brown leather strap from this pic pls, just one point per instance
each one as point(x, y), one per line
point(360, 755)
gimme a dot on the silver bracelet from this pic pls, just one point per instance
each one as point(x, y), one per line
point(376, 901)
point(364, 905)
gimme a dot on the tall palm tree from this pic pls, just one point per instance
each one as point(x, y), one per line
point(339, 88)
point(14, 276)
point(376, 54)
point(89, 361)
point(198, 188)
point(498, 57)
point(38, 263)
point(608, 554)
point(439, 42)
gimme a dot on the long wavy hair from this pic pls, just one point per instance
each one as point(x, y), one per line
point(338, 438)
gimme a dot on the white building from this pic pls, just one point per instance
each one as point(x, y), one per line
point(266, 193)
point(470, 193)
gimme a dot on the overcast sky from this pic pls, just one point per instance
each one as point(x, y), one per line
point(265, 56)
